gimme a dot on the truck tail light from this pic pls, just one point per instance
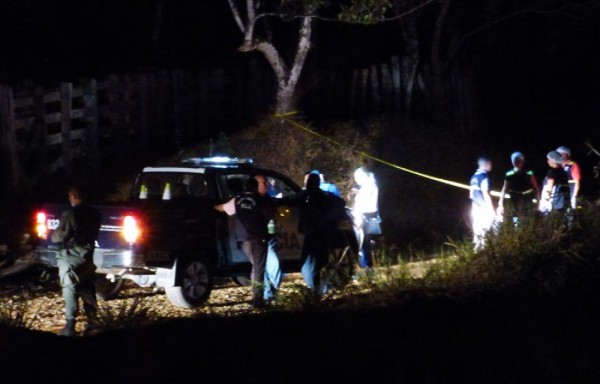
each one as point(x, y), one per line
point(131, 229)
point(41, 228)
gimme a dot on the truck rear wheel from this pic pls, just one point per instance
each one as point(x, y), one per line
point(106, 289)
point(194, 284)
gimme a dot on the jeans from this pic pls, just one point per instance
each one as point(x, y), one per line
point(256, 251)
point(272, 270)
point(365, 254)
point(315, 255)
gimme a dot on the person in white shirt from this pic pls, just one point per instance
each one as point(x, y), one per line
point(365, 206)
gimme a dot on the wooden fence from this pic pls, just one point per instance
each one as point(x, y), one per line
point(121, 117)
point(44, 130)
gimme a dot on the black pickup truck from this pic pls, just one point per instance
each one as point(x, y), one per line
point(168, 234)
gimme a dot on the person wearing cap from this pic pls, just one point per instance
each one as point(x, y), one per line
point(326, 186)
point(319, 215)
point(574, 173)
point(76, 236)
point(555, 192)
point(252, 212)
point(482, 207)
point(522, 188)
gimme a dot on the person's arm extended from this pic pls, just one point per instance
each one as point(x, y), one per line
point(228, 207)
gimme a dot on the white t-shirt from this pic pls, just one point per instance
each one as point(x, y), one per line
point(365, 200)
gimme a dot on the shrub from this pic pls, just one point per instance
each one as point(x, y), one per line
point(14, 314)
point(545, 255)
point(277, 144)
point(131, 313)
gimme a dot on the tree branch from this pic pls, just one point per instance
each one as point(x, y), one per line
point(301, 52)
point(236, 16)
point(274, 59)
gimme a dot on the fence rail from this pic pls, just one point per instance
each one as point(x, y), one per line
point(44, 130)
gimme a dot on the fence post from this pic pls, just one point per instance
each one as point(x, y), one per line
point(387, 90)
point(90, 101)
point(375, 96)
point(144, 111)
point(41, 131)
point(66, 106)
point(364, 90)
point(9, 140)
point(176, 101)
point(396, 83)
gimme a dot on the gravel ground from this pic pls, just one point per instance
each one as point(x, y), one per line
point(44, 305)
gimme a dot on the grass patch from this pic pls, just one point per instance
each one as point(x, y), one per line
point(544, 255)
point(130, 313)
point(15, 314)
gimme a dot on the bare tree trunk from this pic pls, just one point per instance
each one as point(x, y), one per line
point(287, 77)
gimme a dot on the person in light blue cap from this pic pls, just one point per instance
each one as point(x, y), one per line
point(325, 185)
point(522, 189)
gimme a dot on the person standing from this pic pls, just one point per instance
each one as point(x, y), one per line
point(252, 212)
point(273, 267)
point(555, 192)
point(573, 172)
point(365, 194)
point(482, 207)
point(522, 188)
point(76, 235)
point(320, 213)
point(326, 186)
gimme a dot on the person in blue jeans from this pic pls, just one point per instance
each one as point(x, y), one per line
point(273, 275)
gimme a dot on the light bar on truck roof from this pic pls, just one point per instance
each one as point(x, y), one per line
point(218, 161)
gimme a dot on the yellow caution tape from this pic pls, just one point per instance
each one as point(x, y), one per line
point(364, 154)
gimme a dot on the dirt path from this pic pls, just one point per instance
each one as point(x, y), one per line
point(43, 305)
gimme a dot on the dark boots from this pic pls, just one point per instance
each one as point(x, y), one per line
point(69, 329)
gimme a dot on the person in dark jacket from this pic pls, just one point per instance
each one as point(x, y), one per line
point(522, 188)
point(252, 213)
point(77, 233)
point(320, 213)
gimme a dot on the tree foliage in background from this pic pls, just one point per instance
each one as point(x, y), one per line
point(282, 146)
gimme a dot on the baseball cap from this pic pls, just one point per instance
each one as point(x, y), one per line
point(563, 150)
point(554, 156)
point(516, 155)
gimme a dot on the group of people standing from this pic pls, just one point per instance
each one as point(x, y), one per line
point(521, 195)
point(321, 208)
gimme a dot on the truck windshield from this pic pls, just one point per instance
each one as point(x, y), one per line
point(171, 186)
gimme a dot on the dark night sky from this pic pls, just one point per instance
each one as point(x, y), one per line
point(537, 76)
